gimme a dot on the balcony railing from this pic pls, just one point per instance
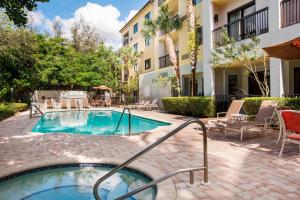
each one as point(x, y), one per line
point(251, 25)
point(290, 12)
point(164, 61)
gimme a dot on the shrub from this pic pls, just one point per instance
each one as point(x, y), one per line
point(9, 109)
point(194, 106)
point(252, 104)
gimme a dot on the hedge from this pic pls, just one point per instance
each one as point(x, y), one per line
point(9, 109)
point(252, 104)
point(193, 106)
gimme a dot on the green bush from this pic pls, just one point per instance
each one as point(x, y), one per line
point(252, 104)
point(9, 109)
point(194, 106)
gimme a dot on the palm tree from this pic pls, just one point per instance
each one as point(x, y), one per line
point(129, 59)
point(166, 23)
point(192, 42)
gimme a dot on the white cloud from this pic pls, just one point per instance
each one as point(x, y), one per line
point(104, 18)
point(131, 14)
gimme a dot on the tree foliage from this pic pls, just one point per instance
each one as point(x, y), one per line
point(85, 38)
point(17, 63)
point(29, 61)
point(248, 54)
point(16, 10)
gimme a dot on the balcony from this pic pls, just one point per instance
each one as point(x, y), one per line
point(164, 61)
point(125, 42)
point(290, 12)
point(251, 25)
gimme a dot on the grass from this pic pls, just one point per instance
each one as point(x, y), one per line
point(9, 109)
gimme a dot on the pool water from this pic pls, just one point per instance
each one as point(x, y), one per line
point(93, 122)
point(75, 183)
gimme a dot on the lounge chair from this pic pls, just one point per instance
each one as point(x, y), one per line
point(143, 106)
point(290, 128)
point(85, 103)
point(262, 120)
point(49, 104)
point(234, 108)
point(73, 104)
point(63, 104)
point(153, 105)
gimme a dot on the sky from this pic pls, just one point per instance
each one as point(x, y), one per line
point(107, 16)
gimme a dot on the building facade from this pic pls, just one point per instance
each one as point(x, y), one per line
point(272, 21)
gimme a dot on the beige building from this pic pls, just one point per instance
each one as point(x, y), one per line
point(272, 21)
point(154, 62)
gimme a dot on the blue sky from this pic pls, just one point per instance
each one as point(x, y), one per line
point(66, 8)
point(107, 16)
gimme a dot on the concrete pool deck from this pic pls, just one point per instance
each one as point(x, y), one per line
point(237, 170)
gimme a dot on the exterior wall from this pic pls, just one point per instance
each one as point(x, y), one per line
point(281, 79)
point(147, 52)
point(281, 76)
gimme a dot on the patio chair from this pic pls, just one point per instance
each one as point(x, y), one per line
point(85, 103)
point(262, 120)
point(234, 108)
point(49, 104)
point(143, 106)
point(290, 128)
point(107, 103)
point(153, 105)
point(278, 110)
point(63, 104)
point(73, 104)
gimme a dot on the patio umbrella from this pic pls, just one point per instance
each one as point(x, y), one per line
point(102, 87)
point(289, 50)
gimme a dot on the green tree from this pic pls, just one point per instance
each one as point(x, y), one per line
point(16, 10)
point(193, 42)
point(17, 64)
point(247, 54)
point(129, 59)
point(85, 37)
point(166, 22)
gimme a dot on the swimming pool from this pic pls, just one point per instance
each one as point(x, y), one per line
point(93, 122)
point(74, 181)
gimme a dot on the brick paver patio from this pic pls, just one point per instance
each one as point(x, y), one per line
point(237, 170)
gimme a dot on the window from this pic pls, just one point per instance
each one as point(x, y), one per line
point(147, 41)
point(148, 16)
point(147, 64)
point(235, 29)
point(199, 35)
point(126, 39)
point(136, 28)
point(195, 2)
point(135, 68)
point(136, 47)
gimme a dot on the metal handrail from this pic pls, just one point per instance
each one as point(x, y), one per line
point(129, 121)
point(150, 147)
point(30, 114)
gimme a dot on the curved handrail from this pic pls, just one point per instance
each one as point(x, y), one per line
point(33, 105)
point(148, 148)
point(129, 121)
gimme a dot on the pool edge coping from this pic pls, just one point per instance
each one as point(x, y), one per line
point(166, 190)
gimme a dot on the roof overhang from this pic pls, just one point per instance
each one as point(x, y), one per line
point(289, 50)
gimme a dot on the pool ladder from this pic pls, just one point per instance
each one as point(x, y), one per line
point(31, 110)
point(129, 121)
point(169, 175)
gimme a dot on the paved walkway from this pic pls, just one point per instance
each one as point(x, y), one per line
point(237, 170)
